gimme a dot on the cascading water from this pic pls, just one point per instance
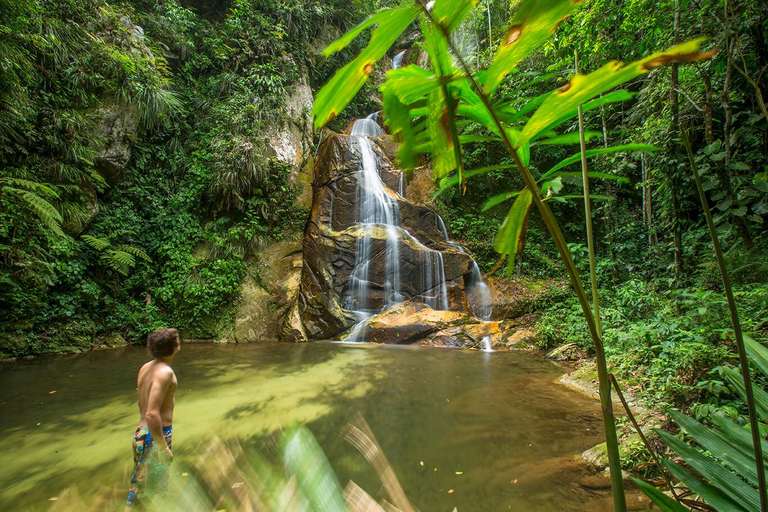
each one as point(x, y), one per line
point(477, 292)
point(397, 61)
point(377, 209)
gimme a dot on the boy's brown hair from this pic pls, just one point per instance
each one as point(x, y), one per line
point(162, 342)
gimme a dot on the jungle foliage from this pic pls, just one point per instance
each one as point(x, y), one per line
point(456, 102)
point(135, 183)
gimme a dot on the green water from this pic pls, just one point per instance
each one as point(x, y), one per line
point(496, 418)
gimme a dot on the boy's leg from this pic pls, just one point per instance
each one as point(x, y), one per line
point(142, 443)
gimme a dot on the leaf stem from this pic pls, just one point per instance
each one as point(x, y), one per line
point(588, 214)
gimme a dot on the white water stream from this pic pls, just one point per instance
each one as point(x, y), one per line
point(378, 213)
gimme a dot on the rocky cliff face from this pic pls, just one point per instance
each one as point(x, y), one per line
point(331, 238)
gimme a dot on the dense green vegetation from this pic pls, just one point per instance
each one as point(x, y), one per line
point(653, 335)
point(136, 180)
point(665, 316)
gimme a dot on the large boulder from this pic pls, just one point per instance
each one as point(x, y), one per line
point(116, 127)
point(413, 322)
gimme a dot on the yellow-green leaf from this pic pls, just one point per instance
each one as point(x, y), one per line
point(509, 236)
point(347, 81)
point(583, 88)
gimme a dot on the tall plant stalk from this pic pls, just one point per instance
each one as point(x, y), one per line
point(553, 227)
point(588, 212)
point(753, 420)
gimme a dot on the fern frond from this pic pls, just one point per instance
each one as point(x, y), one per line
point(135, 251)
point(123, 258)
point(45, 211)
point(32, 186)
point(97, 243)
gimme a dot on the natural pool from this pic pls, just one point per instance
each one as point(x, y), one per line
point(499, 419)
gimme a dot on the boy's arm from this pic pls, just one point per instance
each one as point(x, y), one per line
point(160, 384)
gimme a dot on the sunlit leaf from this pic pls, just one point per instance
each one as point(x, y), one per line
point(531, 25)
point(555, 185)
point(398, 120)
point(450, 13)
point(599, 151)
point(412, 83)
point(347, 81)
point(452, 180)
point(498, 199)
point(510, 234)
point(583, 88)
point(566, 138)
point(596, 176)
point(315, 477)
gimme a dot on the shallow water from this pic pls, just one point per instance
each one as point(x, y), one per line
point(498, 419)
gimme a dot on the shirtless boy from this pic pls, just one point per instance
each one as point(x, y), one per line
point(152, 455)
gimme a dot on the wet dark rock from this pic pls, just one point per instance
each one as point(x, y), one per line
point(330, 240)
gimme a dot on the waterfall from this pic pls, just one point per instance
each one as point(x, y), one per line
point(397, 61)
point(378, 213)
point(477, 292)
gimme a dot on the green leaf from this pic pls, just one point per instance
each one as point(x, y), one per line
point(583, 88)
point(452, 180)
point(413, 83)
point(596, 176)
point(498, 199)
point(758, 353)
point(567, 138)
point(600, 151)
point(508, 239)
point(664, 502)
point(720, 447)
point(710, 494)
point(346, 82)
point(97, 243)
point(45, 211)
point(761, 397)
point(316, 480)
point(398, 119)
point(531, 25)
point(738, 435)
point(450, 13)
point(555, 185)
point(350, 36)
point(730, 484)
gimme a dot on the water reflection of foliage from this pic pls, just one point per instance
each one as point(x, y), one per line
point(225, 477)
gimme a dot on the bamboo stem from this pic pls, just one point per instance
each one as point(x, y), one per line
point(588, 213)
point(611, 439)
point(753, 420)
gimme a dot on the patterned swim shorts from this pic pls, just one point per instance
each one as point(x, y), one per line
point(150, 473)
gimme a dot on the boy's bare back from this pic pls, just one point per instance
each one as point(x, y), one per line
point(156, 388)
